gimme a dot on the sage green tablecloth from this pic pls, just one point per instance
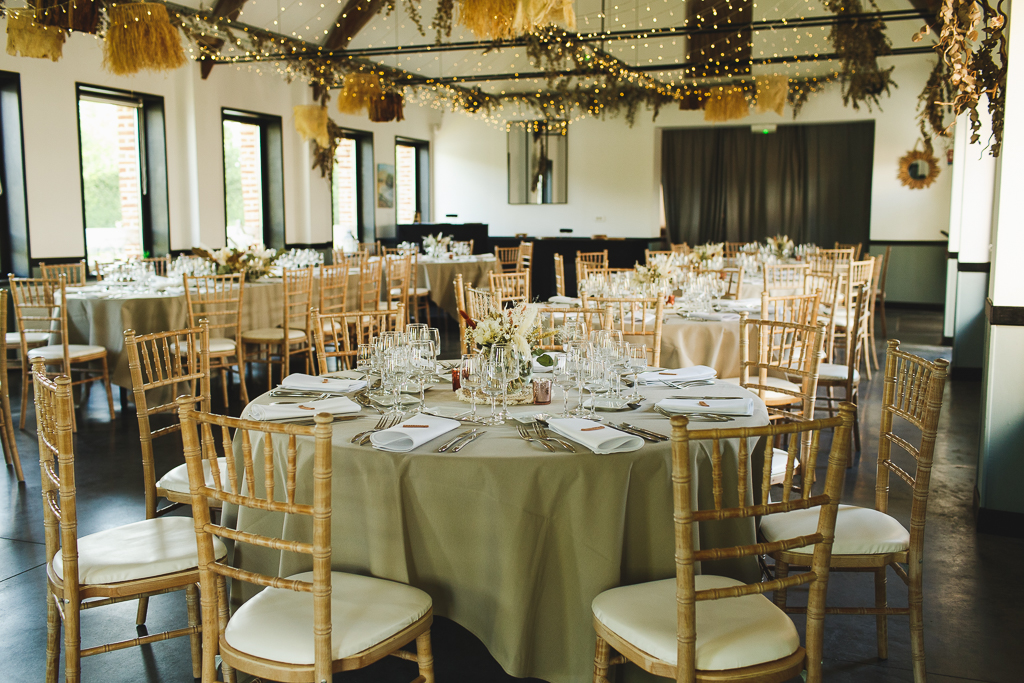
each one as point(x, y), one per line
point(510, 541)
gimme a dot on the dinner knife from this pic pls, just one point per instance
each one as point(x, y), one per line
point(656, 435)
point(472, 438)
point(634, 432)
point(448, 444)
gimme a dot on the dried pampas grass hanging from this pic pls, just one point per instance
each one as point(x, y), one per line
point(387, 107)
point(726, 103)
point(488, 19)
point(772, 92)
point(358, 91)
point(311, 123)
point(532, 14)
point(141, 36)
point(30, 39)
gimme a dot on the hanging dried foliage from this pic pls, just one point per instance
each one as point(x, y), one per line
point(30, 39)
point(141, 36)
point(311, 123)
point(323, 155)
point(358, 91)
point(771, 93)
point(726, 103)
point(76, 15)
point(532, 14)
point(487, 19)
point(388, 107)
point(932, 107)
point(858, 44)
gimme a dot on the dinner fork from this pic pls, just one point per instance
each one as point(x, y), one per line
point(542, 432)
point(697, 417)
point(385, 422)
point(524, 434)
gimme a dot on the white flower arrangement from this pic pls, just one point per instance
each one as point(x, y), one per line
point(708, 252)
point(658, 272)
point(436, 244)
point(516, 326)
point(781, 246)
point(255, 260)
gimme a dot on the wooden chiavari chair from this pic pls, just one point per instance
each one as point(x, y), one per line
point(827, 287)
point(398, 271)
point(877, 294)
point(880, 292)
point(871, 540)
point(508, 258)
point(294, 336)
point(338, 256)
point(219, 299)
point(480, 302)
point(355, 259)
point(344, 332)
point(371, 248)
point(856, 248)
point(747, 638)
point(136, 560)
point(551, 319)
point(10, 445)
point(784, 369)
point(102, 268)
point(559, 275)
point(648, 255)
point(732, 249)
point(510, 288)
point(593, 259)
point(783, 279)
point(859, 273)
point(834, 261)
point(419, 297)
point(74, 273)
point(525, 256)
point(39, 305)
point(370, 619)
point(370, 274)
point(734, 282)
point(681, 249)
point(160, 264)
point(801, 309)
point(463, 310)
point(333, 293)
point(634, 318)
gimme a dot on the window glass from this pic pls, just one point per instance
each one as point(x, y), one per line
point(405, 183)
point(243, 183)
point(345, 193)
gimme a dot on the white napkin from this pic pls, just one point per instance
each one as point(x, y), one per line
point(740, 304)
point(557, 299)
point(559, 360)
point(597, 437)
point(302, 382)
point(405, 437)
point(697, 372)
point(733, 406)
point(716, 317)
point(286, 411)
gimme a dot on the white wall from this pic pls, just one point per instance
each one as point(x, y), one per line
point(614, 170)
point(194, 146)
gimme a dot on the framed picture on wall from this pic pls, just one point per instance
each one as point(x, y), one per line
point(385, 186)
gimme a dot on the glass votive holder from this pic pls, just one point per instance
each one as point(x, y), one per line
point(541, 391)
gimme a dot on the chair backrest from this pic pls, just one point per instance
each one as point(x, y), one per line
point(39, 307)
point(74, 273)
point(559, 275)
point(160, 264)
point(337, 256)
point(344, 332)
point(508, 258)
point(732, 504)
point(298, 297)
point(371, 248)
point(784, 350)
point(480, 302)
point(798, 308)
point(460, 306)
point(201, 433)
point(510, 287)
point(370, 273)
point(731, 249)
point(218, 298)
point(912, 392)
point(857, 273)
point(859, 315)
point(785, 278)
point(856, 248)
point(399, 276)
point(634, 318)
point(648, 255)
point(591, 258)
point(333, 294)
point(837, 259)
point(733, 282)
point(525, 256)
point(159, 360)
point(552, 319)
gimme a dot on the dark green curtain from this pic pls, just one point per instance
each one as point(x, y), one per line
point(810, 182)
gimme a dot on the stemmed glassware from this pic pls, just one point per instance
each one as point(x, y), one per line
point(471, 375)
point(504, 363)
point(637, 362)
point(575, 358)
point(492, 386)
point(434, 335)
point(595, 380)
point(364, 359)
point(421, 358)
point(564, 379)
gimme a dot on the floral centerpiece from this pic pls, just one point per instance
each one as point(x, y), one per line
point(657, 274)
point(255, 260)
point(517, 327)
point(781, 246)
point(707, 252)
point(436, 245)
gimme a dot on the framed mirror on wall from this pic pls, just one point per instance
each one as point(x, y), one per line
point(537, 162)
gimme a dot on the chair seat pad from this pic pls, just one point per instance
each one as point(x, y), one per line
point(859, 531)
point(56, 351)
point(419, 291)
point(731, 632)
point(177, 479)
point(277, 623)
point(835, 372)
point(779, 460)
point(272, 334)
point(397, 291)
point(152, 547)
point(217, 345)
point(30, 337)
point(772, 396)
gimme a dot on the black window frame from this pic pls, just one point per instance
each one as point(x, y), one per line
point(153, 193)
point(366, 216)
point(422, 176)
point(15, 245)
point(271, 172)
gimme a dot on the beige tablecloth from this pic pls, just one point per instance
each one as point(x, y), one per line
point(510, 541)
point(685, 343)
point(438, 276)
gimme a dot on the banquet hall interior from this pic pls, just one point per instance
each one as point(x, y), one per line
point(722, 299)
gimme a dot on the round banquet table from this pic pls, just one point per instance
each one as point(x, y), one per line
point(511, 541)
point(438, 275)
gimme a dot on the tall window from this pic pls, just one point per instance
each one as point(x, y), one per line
point(412, 171)
point(352, 191)
point(124, 174)
point(13, 201)
point(253, 180)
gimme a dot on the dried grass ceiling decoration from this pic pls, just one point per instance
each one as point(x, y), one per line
point(141, 36)
point(727, 103)
point(387, 107)
point(26, 37)
point(311, 123)
point(358, 91)
point(488, 19)
point(772, 92)
point(533, 14)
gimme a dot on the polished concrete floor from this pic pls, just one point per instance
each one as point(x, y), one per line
point(973, 592)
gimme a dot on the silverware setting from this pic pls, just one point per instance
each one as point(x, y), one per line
point(385, 422)
point(464, 435)
point(697, 417)
point(542, 433)
point(525, 435)
point(469, 439)
point(643, 433)
point(304, 420)
point(712, 398)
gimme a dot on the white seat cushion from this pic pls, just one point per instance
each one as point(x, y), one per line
point(217, 345)
point(277, 623)
point(859, 531)
point(731, 632)
point(273, 333)
point(152, 547)
point(772, 382)
point(834, 372)
point(779, 459)
point(30, 337)
point(56, 351)
point(177, 479)
point(419, 291)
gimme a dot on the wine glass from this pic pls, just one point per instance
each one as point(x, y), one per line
point(595, 380)
point(434, 335)
point(505, 362)
point(421, 359)
point(637, 362)
point(471, 372)
point(563, 378)
point(492, 386)
point(414, 331)
point(364, 359)
point(575, 357)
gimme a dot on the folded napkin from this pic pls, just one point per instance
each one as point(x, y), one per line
point(413, 433)
point(303, 382)
point(597, 437)
point(564, 300)
point(733, 406)
point(680, 375)
point(717, 317)
point(740, 304)
point(559, 360)
point(287, 411)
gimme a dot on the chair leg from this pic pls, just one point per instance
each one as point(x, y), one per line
point(425, 657)
point(52, 638)
point(25, 381)
point(916, 621)
point(140, 614)
point(106, 383)
point(866, 357)
point(225, 377)
point(72, 643)
point(192, 605)
point(781, 572)
point(228, 674)
point(9, 444)
point(602, 660)
point(241, 379)
point(881, 309)
point(881, 620)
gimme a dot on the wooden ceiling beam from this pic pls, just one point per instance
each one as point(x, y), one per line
point(353, 18)
point(224, 9)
